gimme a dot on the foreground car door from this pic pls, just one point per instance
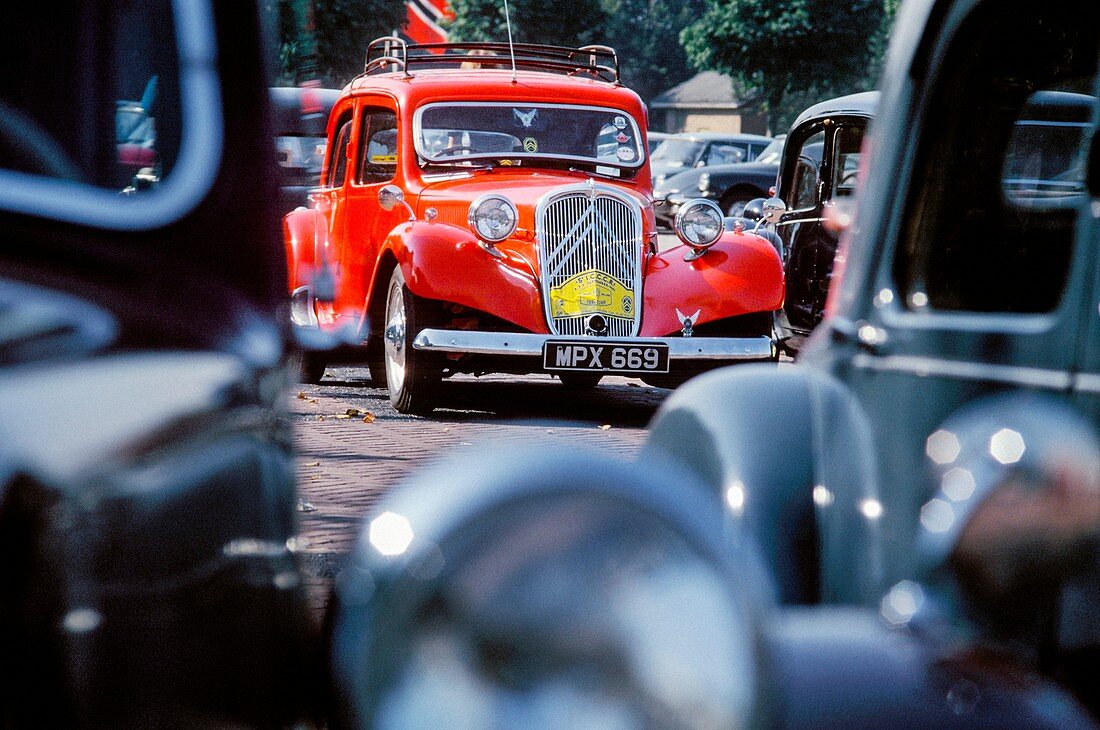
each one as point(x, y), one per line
point(980, 289)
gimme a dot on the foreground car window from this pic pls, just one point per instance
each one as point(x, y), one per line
point(992, 229)
point(455, 132)
point(122, 115)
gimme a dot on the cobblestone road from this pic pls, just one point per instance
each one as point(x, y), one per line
point(353, 447)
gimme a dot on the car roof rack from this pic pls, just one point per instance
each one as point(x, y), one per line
point(390, 54)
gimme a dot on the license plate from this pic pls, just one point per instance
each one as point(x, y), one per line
point(605, 357)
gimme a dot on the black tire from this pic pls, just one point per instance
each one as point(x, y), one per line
point(412, 377)
point(580, 381)
point(734, 205)
point(376, 361)
point(311, 368)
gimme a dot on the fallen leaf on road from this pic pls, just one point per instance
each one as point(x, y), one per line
point(446, 429)
point(352, 411)
point(342, 415)
point(605, 426)
point(301, 395)
point(312, 400)
point(314, 463)
point(304, 506)
point(368, 417)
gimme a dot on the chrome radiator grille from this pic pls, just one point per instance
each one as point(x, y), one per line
point(590, 255)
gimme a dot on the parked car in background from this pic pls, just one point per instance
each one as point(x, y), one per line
point(469, 224)
point(901, 530)
point(300, 117)
point(655, 138)
point(698, 149)
point(147, 499)
point(820, 168)
point(730, 186)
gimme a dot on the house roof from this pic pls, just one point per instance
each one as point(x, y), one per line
point(705, 90)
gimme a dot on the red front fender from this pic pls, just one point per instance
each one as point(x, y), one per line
point(442, 261)
point(740, 274)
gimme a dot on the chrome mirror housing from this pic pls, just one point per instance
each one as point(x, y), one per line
point(773, 209)
point(390, 196)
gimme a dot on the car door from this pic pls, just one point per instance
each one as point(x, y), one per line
point(800, 229)
point(375, 165)
point(330, 202)
point(976, 291)
point(810, 245)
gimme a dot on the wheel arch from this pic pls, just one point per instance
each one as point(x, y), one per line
point(788, 456)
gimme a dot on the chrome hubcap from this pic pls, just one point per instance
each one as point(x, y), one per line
point(394, 337)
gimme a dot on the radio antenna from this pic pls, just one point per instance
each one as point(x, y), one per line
point(511, 50)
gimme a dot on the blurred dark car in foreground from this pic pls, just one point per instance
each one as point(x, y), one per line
point(730, 186)
point(147, 500)
point(901, 530)
point(687, 150)
point(300, 117)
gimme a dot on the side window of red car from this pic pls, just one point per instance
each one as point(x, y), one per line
point(990, 227)
point(378, 146)
point(338, 163)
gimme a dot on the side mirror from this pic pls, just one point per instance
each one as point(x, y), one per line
point(773, 209)
point(391, 196)
point(754, 209)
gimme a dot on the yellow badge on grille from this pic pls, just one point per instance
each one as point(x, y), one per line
point(591, 292)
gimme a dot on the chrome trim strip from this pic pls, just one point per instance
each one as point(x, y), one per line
point(530, 344)
point(1087, 383)
point(933, 367)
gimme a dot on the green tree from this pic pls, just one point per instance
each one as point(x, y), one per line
point(789, 50)
point(343, 28)
point(554, 22)
point(646, 35)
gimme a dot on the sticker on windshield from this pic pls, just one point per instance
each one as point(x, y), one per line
point(625, 154)
point(530, 144)
point(621, 138)
point(620, 122)
point(526, 118)
point(383, 159)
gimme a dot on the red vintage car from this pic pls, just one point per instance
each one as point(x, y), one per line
point(487, 209)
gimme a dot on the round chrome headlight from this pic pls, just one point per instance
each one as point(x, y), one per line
point(699, 223)
point(493, 217)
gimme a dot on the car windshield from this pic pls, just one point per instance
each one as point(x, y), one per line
point(677, 152)
point(771, 154)
point(1046, 160)
point(456, 133)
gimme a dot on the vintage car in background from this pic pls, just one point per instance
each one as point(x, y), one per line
point(147, 498)
point(907, 520)
point(468, 223)
point(687, 150)
point(732, 186)
point(819, 169)
point(300, 117)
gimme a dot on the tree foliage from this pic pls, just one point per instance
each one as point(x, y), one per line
point(790, 50)
point(556, 22)
point(343, 28)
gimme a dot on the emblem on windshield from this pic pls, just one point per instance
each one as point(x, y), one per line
point(526, 118)
point(530, 144)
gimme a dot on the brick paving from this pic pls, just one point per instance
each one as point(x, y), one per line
point(345, 465)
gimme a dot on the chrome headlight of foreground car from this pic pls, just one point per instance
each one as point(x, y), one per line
point(493, 217)
point(699, 225)
point(535, 592)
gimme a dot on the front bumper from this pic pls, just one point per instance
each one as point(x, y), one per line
point(527, 344)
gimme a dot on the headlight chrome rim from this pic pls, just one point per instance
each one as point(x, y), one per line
point(682, 221)
point(478, 212)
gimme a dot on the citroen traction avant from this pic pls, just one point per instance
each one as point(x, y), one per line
point(477, 218)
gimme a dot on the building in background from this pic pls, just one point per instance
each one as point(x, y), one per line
point(707, 103)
